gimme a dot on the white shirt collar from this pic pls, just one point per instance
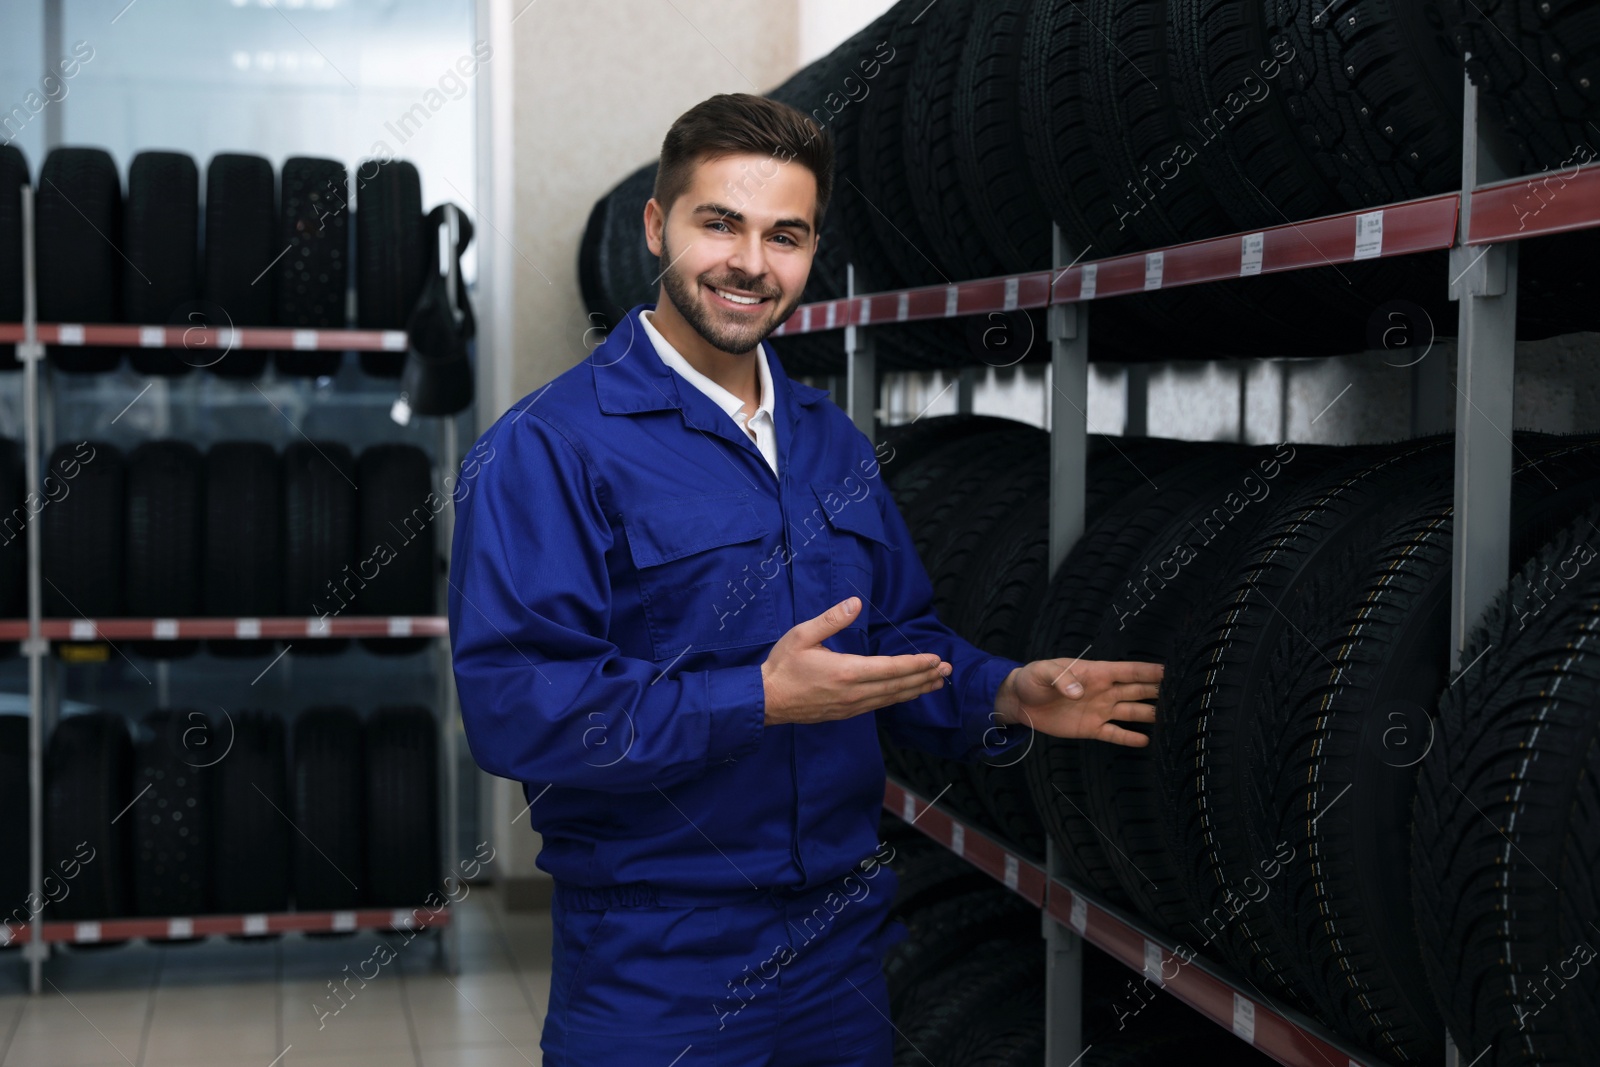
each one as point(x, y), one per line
point(724, 399)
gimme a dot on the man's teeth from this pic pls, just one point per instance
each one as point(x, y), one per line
point(738, 299)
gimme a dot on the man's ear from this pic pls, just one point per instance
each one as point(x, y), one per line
point(653, 236)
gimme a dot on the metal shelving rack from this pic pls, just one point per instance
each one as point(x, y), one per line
point(35, 634)
point(1480, 226)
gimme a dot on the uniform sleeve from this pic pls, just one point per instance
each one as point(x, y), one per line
point(957, 721)
point(545, 696)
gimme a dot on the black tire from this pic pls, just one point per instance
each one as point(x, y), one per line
point(312, 277)
point(927, 873)
point(243, 538)
point(1506, 798)
point(993, 167)
point(250, 827)
point(241, 231)
point(319, 512)
point(328, 792)
point(909, 442)
point(992, 976)
point(591, 280)
point(389, 257)
point(166, 515)
point(15, 514)
point(79, 272)
point(396, 483)
point(955, 242)
point(14, 859)
point(402, 838)
point(946, 932)
point(626, 263)
point(172, 819)
point(1382, 637)
point(1217, 679)
point(82, 531)
point(1146, 612)
point(1536, 66)
point(13, 176)
point(88, 787)
point(161, 240)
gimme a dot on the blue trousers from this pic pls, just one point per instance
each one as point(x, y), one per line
point(766, 979)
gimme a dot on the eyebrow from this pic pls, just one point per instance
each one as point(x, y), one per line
point(728, 213)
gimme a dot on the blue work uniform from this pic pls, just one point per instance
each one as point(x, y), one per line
point(624, 560)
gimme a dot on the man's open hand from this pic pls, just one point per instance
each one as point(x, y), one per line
point(1080, 698)
point(805, 682)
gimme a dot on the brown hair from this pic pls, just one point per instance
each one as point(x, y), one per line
point(732, 123)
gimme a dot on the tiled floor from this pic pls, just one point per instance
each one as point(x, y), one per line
point(220, 1003)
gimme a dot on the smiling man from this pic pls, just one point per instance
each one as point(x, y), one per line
point(681, 601)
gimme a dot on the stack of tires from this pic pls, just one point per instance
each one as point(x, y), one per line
point(258, 248)
point(239, 530)
point(1299, 598)
point(964, 129)
point(188, 812)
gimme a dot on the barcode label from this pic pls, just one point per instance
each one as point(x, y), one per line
point(908, 807)
point(400, 626)
point(180, 927)
point(1369, 235)
point(83, 630)
point(1154, 266)
point(1079, 918)
point(86, 932)
point(805, 319)
point(1152, 962)
point(166, 629)
point(344, 920)
point(247, 628)
point(1244, 1019)
point(1012, 285)
point(958, 839)
point(255, 924)
point(70, 334)
point(952, 296)
point(1252, 253)
point(1011, 871)
point(152, 337)
point(1091, 278)
point(394, 340)
point(318, 628)
point(902, 307)
point(833, 314)
point(304, 339)
point(866, 312)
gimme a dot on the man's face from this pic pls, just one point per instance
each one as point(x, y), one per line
point(736, 247)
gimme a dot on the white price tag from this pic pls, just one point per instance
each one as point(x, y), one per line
point(1244, 1019)
point(152, 337)
point(805, 319)
point(908, 807)
point(866, 312)
point(166, 629)
point(5, 934)
point(318, 628)
point(401, 919)
point(958, 839)
point(1079, 918)
point(400, 411)
point(1011, 871)
point(902, 307)
point(344, 920)
point(400, 626)
point(1369, 235)
point(1252, 252)
point(82, 932)
point(70, 333)
point(230, 338)
point(1154, 265)
point(255, 924)
point(304, 339)
point(952, 296)
point(394, 340)
point(84, 630)
point(247, 628)
point(180, 927)
point(1152, 963)
point(1091, 278)
point(833, 313)
point(1012, 284)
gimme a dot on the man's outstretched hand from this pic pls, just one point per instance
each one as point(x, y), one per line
point(1080, 698)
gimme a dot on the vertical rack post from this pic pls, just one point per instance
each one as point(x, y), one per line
point(1069, 405)
point(1484, 281)
point(449, 709)
point(29, 354)
point(861, 370)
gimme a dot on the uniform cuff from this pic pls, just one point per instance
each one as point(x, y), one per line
point(986, 735)
point(736, 710)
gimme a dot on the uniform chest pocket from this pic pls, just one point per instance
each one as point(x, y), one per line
point(704, 573)
point(855, 534)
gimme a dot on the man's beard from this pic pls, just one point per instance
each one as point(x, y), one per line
point(731, 338)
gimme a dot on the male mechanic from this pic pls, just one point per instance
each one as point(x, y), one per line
point(682, 598)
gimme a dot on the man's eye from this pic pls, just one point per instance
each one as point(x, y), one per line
point(786, 237)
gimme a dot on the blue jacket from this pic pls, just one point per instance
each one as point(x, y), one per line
point(623, 561)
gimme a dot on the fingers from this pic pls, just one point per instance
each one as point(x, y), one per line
point(882, 668)
point(830, 622)
point(1136, 691)
point(1127, 711)
point(1117, 735)
point(899, 690)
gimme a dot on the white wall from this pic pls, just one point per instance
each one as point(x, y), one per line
point(826, 24)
